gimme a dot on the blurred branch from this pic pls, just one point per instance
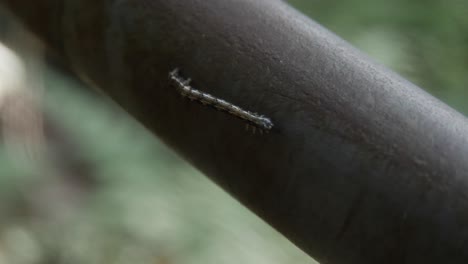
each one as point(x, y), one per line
point(360, 167)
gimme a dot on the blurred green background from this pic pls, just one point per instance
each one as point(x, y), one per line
point(123, 197)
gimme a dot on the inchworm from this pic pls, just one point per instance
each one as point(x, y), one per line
point(184, 88)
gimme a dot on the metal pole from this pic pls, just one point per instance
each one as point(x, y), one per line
point(360, 165)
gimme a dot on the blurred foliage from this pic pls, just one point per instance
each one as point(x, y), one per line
point(145, 205)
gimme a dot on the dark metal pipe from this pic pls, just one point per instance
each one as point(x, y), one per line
point(360, 166)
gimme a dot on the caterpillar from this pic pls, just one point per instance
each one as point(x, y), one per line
point(254, 120)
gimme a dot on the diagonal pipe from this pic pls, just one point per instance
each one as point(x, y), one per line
point(360, 165)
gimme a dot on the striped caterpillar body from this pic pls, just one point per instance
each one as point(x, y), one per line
point(253, 120)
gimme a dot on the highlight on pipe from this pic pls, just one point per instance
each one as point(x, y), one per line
point(254, 120)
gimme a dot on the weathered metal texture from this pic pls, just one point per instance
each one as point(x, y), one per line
point(361, 166)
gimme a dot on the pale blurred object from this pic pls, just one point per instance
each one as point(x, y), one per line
point(20, 114)
point(12, 73)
